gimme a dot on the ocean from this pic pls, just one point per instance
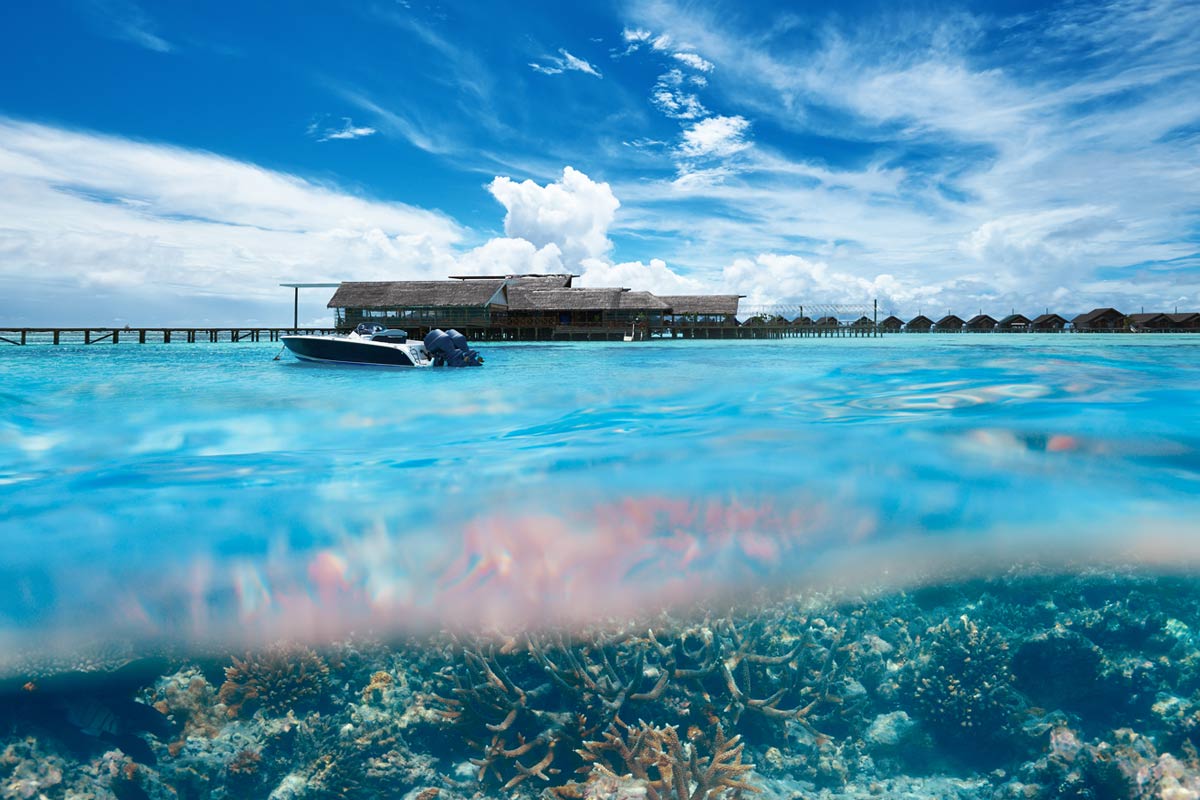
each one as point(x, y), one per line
point(917, 565)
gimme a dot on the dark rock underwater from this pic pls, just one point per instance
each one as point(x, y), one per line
point(1028, 685)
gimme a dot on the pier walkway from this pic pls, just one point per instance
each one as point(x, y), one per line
point(97, 335)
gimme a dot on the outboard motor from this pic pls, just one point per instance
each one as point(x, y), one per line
point(451, 349)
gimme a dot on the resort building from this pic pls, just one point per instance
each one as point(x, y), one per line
point(1150, 322)
point(701, 315)
point(919, 324)
point(1014, 323)
point(1100, 319)
point(1048, 323)
point(981, 323)
point(892, 323)
point(951, 323)
point(1185, 322)
point(420, 305)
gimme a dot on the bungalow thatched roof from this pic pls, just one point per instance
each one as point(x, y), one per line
point(920, 321)
point(1084, 320)
point(419, 294)
point(546, 280)
point(891, 322)
point(1049, 319)
point(714, 304)
point(950, 321)
point(1013, 319)
point(982, 321)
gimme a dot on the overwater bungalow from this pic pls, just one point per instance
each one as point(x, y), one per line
point(919, 324)
point(892, 323)
point(1048, 323)
point(1100, 320)
point(827, 322)
point(1185, 322)
point(802, 322)
point(951, 323)
point(863, 322)
point(1014, 323)
point(419, 305)
point(1150, 322)
point(981, 323)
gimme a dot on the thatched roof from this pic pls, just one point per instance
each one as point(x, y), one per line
point(891, 322)
point(565, 299)
point(419, 294)
point(561, 281)
point(981, 321)
point(553, 280)
point(1156, 320)
point(1084, 320)
point(920, 321)
point(643, 301)
point(1049, 319)
point(1013, 319)
point(950, 321)
point(714, 304)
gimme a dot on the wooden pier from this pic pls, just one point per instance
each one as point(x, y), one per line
point(110, 335)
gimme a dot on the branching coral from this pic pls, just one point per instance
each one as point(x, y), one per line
point(277, 680)
point(668, 768)
point(964, 687)
point(505, 699)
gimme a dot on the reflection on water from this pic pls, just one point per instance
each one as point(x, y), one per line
point(203, 493)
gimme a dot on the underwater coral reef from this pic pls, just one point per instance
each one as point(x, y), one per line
point(1027, 685)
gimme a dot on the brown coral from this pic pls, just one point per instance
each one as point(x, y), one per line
point(668, 768)
point(277, 680)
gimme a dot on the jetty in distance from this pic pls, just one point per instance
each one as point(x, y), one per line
point(547, 307)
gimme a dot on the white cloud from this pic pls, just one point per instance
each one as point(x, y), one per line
point(348, 131)
point(573, 213)
point(507, 256)
point(715, 137)
point(694, 61)
point(772, 278)
point(634, 35)
point(672, 99)
point(154, 227)
point(654, 277)
point(563, 62)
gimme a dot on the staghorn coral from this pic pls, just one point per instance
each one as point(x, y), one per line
point(667, 768)
point(756, 673)
point(276, 680)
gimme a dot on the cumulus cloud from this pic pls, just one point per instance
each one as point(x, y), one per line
point(563, 62)
point(573, 213)
point(772, 278)
point(654, 277)
point(715, 137)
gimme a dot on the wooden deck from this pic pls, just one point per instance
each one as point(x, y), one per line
point(110, 335)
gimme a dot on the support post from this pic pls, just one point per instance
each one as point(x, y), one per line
point(87, 336)
point(141, 336)
point(22, 337)
point(56, 337)
point(296, 308)
point(116, 336)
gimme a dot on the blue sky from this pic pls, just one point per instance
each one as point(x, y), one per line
point(174, 161)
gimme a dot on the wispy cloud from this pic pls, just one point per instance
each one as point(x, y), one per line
point(563, 62)
point(715, 137)
point(125, 20)
point(348, 130)
point(997, 158)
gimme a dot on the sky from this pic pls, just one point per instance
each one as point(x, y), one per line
point(173, 162)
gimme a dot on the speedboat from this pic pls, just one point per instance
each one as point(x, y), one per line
point(388, 347)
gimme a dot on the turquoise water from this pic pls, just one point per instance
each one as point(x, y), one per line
point(192, 492)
